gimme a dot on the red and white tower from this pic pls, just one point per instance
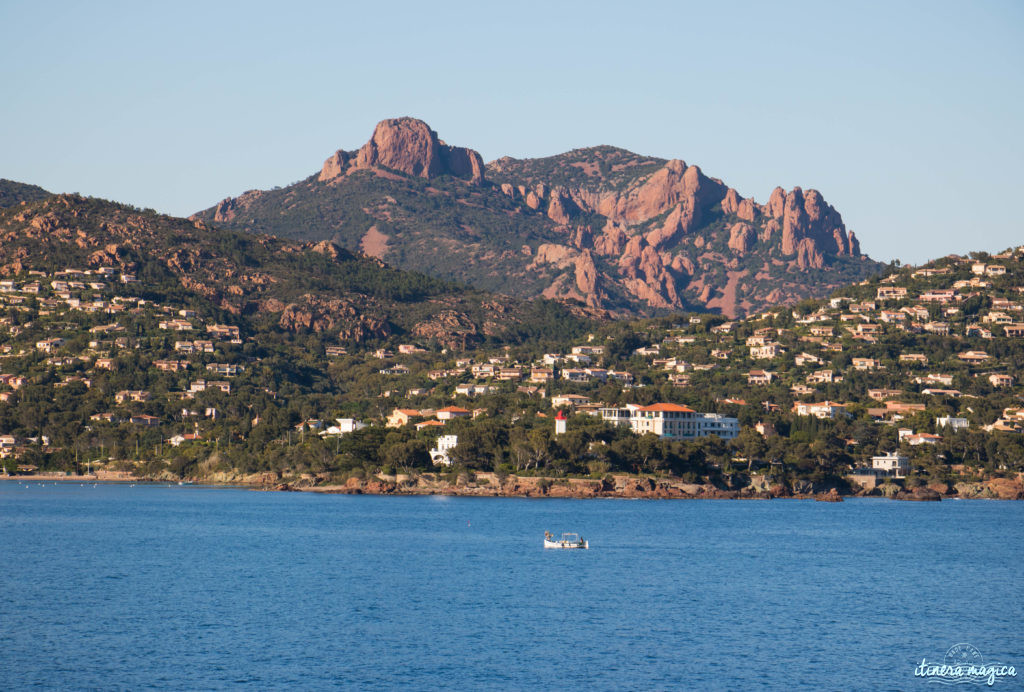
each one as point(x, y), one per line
point(560, 420)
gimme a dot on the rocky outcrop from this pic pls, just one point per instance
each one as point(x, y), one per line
point(731, 201)
point(683, 218)
point(922, 494)
point(741, 237)
point(450, 328)
point(334, 166)
point(806, 230)
point(317, 314)
point(408, 146)
point(809, 217)
point(227, 209)
point(808, 255)
point(667, 187)
point(646, 276)
point(561, 208)
point(747, 210)
point(831, 496)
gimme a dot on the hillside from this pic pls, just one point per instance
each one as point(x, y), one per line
point(169, 348)
point(603, 226)
point(265, 282)
point(12, 193)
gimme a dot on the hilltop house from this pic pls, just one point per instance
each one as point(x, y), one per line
point(343, 427)
point(1000, 380)
point(49, 345)
point(204, 385)
point(950, 422)
point(825, 409)
point(568, 400)
point(402, 416)
point(807, 358)
point(451, 412)
point(823, 377)
point(472, 390)
point(170, 365)
point(770, 350)
point(973, 356)
point(126, 395)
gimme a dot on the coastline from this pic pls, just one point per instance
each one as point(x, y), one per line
point(640, 487)
point(486, 484)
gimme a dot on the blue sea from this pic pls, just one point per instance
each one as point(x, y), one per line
point(118, 587)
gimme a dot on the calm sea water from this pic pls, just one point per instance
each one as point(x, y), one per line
point(113, 587)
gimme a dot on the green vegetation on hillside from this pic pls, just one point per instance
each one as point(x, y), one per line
point(12, 193)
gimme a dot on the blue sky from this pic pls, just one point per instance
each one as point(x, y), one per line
point(907, 116)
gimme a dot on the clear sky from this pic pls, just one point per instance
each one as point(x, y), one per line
point(907, 116)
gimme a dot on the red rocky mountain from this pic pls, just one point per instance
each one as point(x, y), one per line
point(602, 225)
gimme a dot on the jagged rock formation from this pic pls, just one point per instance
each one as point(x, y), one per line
point(409, 146)
point(602, 226)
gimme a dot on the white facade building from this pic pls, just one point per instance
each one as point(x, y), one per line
point(343, 427)
point(445, 443)
point(891, 463)
point(954, 423)
point(672, 421)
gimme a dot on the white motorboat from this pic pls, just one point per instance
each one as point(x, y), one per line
point(568, 541)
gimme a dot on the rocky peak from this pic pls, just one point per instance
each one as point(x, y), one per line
point(409, 146)
point(776, 203)
point(672, 184)
point(807, 216)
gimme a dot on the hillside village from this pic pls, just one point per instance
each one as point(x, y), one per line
point(907, 380)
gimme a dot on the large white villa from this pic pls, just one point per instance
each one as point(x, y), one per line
point(672, 421)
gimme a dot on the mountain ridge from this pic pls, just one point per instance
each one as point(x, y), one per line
point(600, 225)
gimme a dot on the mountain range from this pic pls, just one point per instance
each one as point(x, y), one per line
point(601, 226)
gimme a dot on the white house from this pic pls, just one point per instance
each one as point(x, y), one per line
point(825, 409)
point(954, 423)
point(343, 427)
point(439, 454)
point(472, 390)
point(892, 463)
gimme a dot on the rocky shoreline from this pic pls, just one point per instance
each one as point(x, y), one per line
point(484, 484)
point(635, 487)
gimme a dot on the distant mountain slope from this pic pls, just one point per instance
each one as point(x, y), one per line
point(12, 193)
point(269, 283)
point(602, 167)
point(604, 226)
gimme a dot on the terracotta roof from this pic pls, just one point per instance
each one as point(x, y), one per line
point(668, 408)
point(452, 409)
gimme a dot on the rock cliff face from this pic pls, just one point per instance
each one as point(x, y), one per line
point(667, 234)
point(603, 226)
point(409, 146)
